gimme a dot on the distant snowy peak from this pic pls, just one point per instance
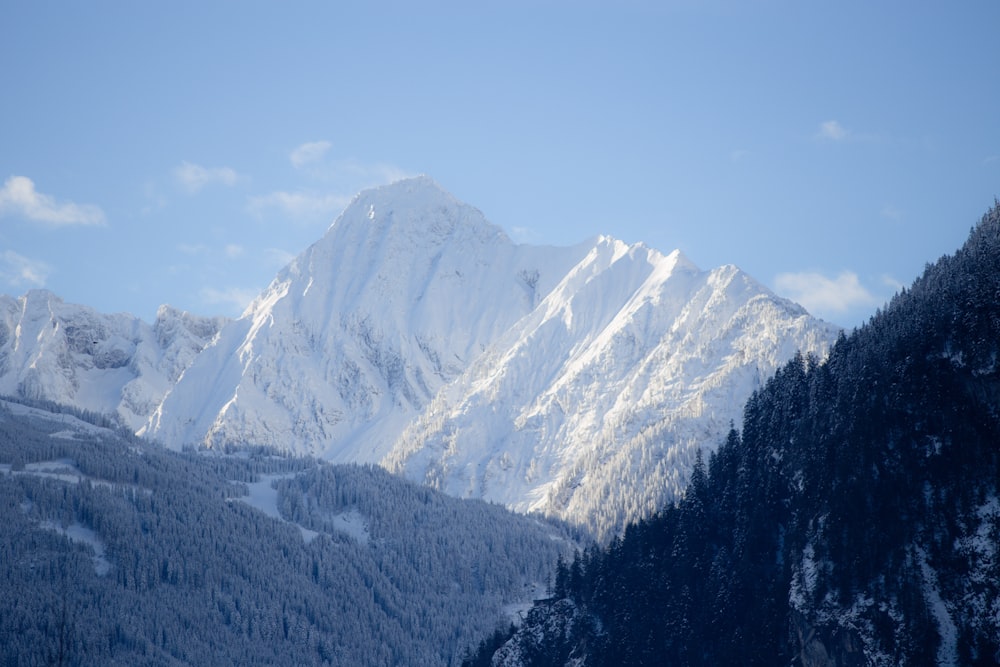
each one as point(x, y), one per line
point(111, 364)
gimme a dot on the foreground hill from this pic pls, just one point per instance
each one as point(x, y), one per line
point(115, 552)
point(855, 520)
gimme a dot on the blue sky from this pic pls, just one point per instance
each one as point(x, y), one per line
point(183, 152)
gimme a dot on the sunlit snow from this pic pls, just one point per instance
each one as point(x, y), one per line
point(77, 532)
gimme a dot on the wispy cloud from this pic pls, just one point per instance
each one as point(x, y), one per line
point(236, 298)
point(890, 282)
point(890, 212)
point(309, 153)
point(832, 130)
point(524, 235)
point(193, 177)
point(822, 295)
point(279, 258)
point(346, 173)
point(366, 175)
point(192, 248)
point(155, 201)
point(302, 204)
point(19, 197)
point(334, 182)
point(20, 271)
point(230, 250)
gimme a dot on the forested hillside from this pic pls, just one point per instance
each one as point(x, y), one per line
point(116, 552)
point(853, 520)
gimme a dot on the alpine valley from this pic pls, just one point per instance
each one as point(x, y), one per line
point(605, 456)
point(578, 381)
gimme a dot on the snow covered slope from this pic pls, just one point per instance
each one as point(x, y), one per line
point(578, 381)
point(110, 364)
point(593, 406)
point(354, 338)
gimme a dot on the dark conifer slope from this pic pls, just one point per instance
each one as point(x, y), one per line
point(855, 520)
point(117, 552)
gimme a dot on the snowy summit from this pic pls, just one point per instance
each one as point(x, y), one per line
point(576, 380)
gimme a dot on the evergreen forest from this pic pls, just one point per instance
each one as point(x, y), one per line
point(852, 519)
point(114, 551)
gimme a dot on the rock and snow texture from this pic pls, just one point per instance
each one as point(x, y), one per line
point(578, 381)
point(110, 364)
point(593, 406)
point(357, 335)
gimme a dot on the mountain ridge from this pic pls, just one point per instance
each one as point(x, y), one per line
point(373, 322)
point(113, 364)
point(853, 520)
point(409, 292)
point(675, 344)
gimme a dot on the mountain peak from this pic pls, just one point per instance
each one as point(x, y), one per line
point(412, 210)
point(681, 261)
point(362, 329)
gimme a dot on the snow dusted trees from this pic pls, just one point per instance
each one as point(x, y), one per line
point(856, 517)
point(193, 575)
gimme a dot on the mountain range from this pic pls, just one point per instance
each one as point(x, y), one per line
point(577, 381)
point(853, 519)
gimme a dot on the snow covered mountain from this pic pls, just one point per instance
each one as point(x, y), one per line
point(854, 519)
point(593, 406)
point(110, 364)
point(354, 338)
point(579, 381)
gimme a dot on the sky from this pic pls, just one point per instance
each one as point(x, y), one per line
point(181, 153)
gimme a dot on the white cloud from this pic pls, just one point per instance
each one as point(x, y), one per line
point(278, 257)
point(335, 182)
point(821, 295)
point(524, 235)
point(353, 175)
point(192, 248)
point(892, 283)
point(19, 197)
point(230, 250)
point(193, 177)
point(18, 270)
point(833, 131)
point(301, 204)
point(237, 298)
point(892, 213)
point(155, 201)
point(308, 153)
point(368, 175)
